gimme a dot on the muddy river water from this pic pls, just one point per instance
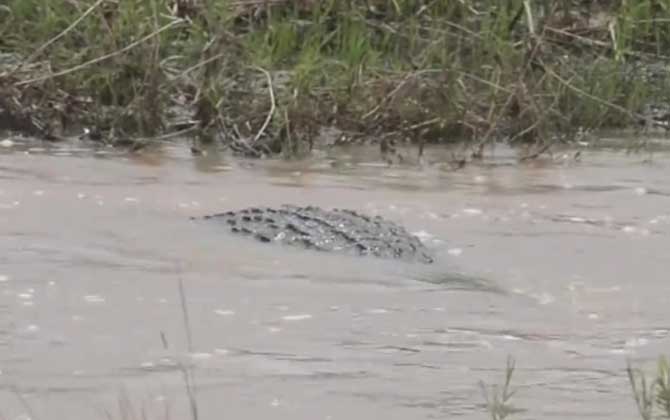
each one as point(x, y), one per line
point(571, 257)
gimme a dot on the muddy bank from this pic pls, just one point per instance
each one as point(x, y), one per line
point(282, 78)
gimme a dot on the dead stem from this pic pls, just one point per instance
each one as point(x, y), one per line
point(272, 104)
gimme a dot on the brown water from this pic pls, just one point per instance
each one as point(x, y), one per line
point(94, 244)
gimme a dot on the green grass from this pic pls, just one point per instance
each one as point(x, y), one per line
point(439, 71)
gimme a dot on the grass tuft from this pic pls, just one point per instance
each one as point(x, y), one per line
point(422, 71)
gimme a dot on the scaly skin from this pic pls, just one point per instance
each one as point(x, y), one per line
point(337, 230)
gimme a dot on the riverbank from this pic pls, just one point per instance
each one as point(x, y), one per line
point(284, 77)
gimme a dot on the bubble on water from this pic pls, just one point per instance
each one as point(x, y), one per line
point(222, 352)
point(544, 298)
point(455, 251)
point(640, 191)
point(629, 229)
point(100, 203)
point(523, 205)
point(6, 143)
point(297, 317)
point(636, 342)
point(81, 196)
point(4, 278)
point(439, 309)
point(224, 312)
point(511, 337)
point(201, 356)
point(77, 318)
point(131, 200)
point(94, 299)
point(25, 296)
point(660, 333)
point(162, 300)
point(334, 308)
point(480, 179)
point(160, 398)
point(568, 186)
point(432, 215)
point(594, 316)
point(274, 330)
point(147, 365)
point(38, 193)
point(32, 328)
point(378, 311)
point(16, 203)
point(51, 283)
point(473, 211)
point(275, 402)
point(653, 221)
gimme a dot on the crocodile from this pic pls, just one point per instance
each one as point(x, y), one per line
point(337, 231)
point(347, 232)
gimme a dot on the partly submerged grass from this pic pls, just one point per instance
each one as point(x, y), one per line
point(652, 397)
point(264, 78)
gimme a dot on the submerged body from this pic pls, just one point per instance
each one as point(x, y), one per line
point(337, 230)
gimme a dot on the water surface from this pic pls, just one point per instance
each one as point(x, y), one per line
point(572, 258)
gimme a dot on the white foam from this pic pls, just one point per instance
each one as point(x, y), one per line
point(472, 211)
point(32, 328)
point(201, 356)
point(378, 311)
point(224, 312)
point(422, 235)
point(297, 317)
point(455, 252)
point(94, 299)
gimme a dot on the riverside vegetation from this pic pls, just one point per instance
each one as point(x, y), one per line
point(652, 398)
point(279, 77)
